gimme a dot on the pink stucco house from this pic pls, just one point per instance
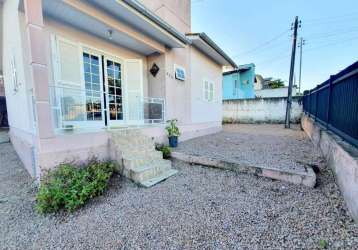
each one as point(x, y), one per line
point(75, 71)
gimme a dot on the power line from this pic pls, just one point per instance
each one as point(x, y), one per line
point(264, 44)
point(274, 59)
point(266, 49)
point(352, 15)
point(332, 44)
point(333, 31)
point(323, 41)
point(300, 45)
point(317, 36)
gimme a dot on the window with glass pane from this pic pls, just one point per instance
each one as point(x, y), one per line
point(93, 87)
point(114, 79)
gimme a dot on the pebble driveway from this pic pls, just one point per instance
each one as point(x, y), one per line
point(199, 208)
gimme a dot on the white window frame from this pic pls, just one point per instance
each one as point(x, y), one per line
point(208, 90)
point(175, 72)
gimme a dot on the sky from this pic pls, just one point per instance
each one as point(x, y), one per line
point(259, 31)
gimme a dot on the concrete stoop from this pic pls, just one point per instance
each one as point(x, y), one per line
point(139, 160)
point(307, 177)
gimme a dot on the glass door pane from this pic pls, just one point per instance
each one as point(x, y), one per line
point(93, 87)
point(114, 91)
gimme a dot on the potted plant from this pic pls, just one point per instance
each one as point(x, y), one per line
point(173, 132)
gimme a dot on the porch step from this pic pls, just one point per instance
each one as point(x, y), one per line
point(140, 161)
point(132, 162)
point(149, 170)
point(162, 177)
point(140, 153)
point(130, 141)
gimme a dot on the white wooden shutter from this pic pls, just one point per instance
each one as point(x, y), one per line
point(134, 89)
point(206, 90)
point(211, 91)
point(69, 83)
point(69, 63)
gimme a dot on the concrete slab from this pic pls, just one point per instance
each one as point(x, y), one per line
point(306, 177)
point(265, 150)
point(158, 179)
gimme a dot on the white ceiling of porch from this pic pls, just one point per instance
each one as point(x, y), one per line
point(62, 12)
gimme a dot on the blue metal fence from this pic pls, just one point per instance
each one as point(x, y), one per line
point(334, 103)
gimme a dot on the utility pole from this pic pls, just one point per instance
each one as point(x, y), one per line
point(300, 45)
point(292, 68)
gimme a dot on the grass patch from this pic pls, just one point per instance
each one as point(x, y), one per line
point(323, 244)
point(68, 187)
point(165, 150)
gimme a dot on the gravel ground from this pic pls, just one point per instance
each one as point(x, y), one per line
point(195, 209)
point(263, 145)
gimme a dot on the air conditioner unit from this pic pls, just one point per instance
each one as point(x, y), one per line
point(179, 73)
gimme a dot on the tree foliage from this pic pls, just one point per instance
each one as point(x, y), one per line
point(274, 84)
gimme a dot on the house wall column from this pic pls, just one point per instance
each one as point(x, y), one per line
point(38, 67)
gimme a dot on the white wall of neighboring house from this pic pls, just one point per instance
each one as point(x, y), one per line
point(203, 68)
point(257, 85)
point(266, 110)
point(1, 36)
point(18, 90)
point(15, 57)
point(2, 90)
point(278, 92)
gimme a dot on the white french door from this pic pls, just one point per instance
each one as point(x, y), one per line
point(124, 91)
point(92, 73)
point(115, 98)
point(93, 88)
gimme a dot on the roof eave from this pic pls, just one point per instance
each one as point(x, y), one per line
point(214, 46)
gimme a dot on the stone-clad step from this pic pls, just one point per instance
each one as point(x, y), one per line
point(149, 170)
point(159, 178)
point(138, 157)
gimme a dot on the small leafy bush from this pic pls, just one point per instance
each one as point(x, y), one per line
point(227, 120)
point(69, 187)
point(165, 150)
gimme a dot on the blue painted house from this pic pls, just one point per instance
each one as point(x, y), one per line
point(239, 83)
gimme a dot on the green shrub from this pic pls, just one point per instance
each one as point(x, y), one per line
point(69, 187)
point(165, 150)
